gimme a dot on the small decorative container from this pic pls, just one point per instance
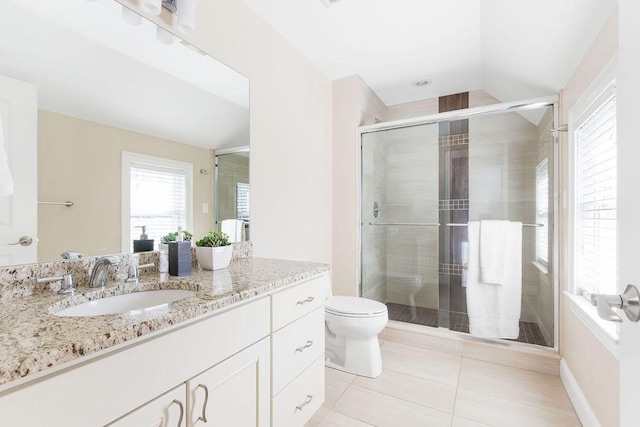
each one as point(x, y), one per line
point(179, 258)
point(214, 258)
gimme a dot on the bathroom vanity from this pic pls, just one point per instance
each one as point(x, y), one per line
point(247, 349)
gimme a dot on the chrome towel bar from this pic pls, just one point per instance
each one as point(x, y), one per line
point(408, 224)
point(68, 204)
point(465, 225)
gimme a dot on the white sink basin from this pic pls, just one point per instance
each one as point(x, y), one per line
point(133, 302)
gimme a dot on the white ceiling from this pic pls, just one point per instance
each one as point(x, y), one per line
point(512, 49)
point(87, 63)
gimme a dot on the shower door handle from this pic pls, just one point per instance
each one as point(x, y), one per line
point(629, 302)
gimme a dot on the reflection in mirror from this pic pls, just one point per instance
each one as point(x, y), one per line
point(79, 89)
point(233, 193)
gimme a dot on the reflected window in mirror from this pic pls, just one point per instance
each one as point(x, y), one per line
point(242, 201)
point(159, 199)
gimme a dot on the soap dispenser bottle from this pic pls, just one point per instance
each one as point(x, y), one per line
point(144, 244)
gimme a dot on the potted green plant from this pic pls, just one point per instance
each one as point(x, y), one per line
point(172, 237)
point(214, 251)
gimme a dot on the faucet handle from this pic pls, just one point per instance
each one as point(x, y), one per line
point(133, 274)
point(68, 285)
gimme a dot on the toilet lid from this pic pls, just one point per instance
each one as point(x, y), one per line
point(354, 306)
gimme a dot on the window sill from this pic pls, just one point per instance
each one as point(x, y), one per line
point(605, 331)
point(541, 267)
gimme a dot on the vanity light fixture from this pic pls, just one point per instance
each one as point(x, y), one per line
point(185, 11)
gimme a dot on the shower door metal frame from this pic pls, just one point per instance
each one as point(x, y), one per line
point(485, 110)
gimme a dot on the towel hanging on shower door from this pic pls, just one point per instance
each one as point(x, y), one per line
point(494, 309)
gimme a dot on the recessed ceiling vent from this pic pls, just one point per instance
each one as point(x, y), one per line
point(327, 3)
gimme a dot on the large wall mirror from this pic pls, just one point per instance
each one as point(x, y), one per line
point(107, 128)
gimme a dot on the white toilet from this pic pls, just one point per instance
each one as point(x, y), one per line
point(352, 326)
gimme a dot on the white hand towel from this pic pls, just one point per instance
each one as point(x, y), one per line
point(493, 251)
point(494, 311)
point(233, 228)
point(6, 181)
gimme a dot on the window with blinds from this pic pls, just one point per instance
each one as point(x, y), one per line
point(242, 201)
point(542, 212)
point(159, 197)
point(595, 198)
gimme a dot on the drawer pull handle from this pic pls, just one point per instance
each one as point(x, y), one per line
point(203, 417)
point(177, 402)
point(304, 301)
point(305, 403)
point(304, 347)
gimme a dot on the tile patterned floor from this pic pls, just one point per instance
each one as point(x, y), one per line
point(420, 387)
point(529, 331)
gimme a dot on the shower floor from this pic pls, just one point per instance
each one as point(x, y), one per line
point(459, 322)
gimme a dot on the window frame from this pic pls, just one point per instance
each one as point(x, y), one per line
point(129, 158)
point(542, 261)
point(608, 333)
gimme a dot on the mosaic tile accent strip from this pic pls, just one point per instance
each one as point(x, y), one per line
point(453, 205)
point(450, 269)
point(451, 140)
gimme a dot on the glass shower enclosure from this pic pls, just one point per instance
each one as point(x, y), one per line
point(423, 183)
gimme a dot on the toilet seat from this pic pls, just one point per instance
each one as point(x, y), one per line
point(354, 307)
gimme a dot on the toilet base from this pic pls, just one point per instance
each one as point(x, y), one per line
point(363, 357)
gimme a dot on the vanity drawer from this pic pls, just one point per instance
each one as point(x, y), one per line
point(295, 405)
point(295, 347)
point(293, 303)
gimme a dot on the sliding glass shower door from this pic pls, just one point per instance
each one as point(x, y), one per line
point(422, 185)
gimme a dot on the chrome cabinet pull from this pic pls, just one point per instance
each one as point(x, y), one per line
point(304, 347)
point(24, 241)
point(203, 417)
point(629, 302)
point(305, 403)
point(177, 402)
point(304, 301)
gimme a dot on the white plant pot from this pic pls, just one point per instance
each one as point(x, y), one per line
point(214, 258)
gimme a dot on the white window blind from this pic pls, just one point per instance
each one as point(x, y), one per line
point(158, 200)
point(242, 201)
point(542, 212)
point(596, 198)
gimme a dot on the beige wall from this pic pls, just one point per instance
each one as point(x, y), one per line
point(596, 374)
point(80, 161)
point(354, 105)
point(290, 129)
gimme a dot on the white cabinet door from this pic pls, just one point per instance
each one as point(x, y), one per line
point(18, 212)
point(168, 410)
point(234, 392)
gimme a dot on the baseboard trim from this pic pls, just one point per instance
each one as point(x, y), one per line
point(578, 399)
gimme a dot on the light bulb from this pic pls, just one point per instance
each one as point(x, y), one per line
point(186, 15)
point(154, 7)
point(164, 36)
point(130, 17)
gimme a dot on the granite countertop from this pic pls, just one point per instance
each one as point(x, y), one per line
point(33, 339)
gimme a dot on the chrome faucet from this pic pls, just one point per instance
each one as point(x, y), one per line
point(98, 277)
